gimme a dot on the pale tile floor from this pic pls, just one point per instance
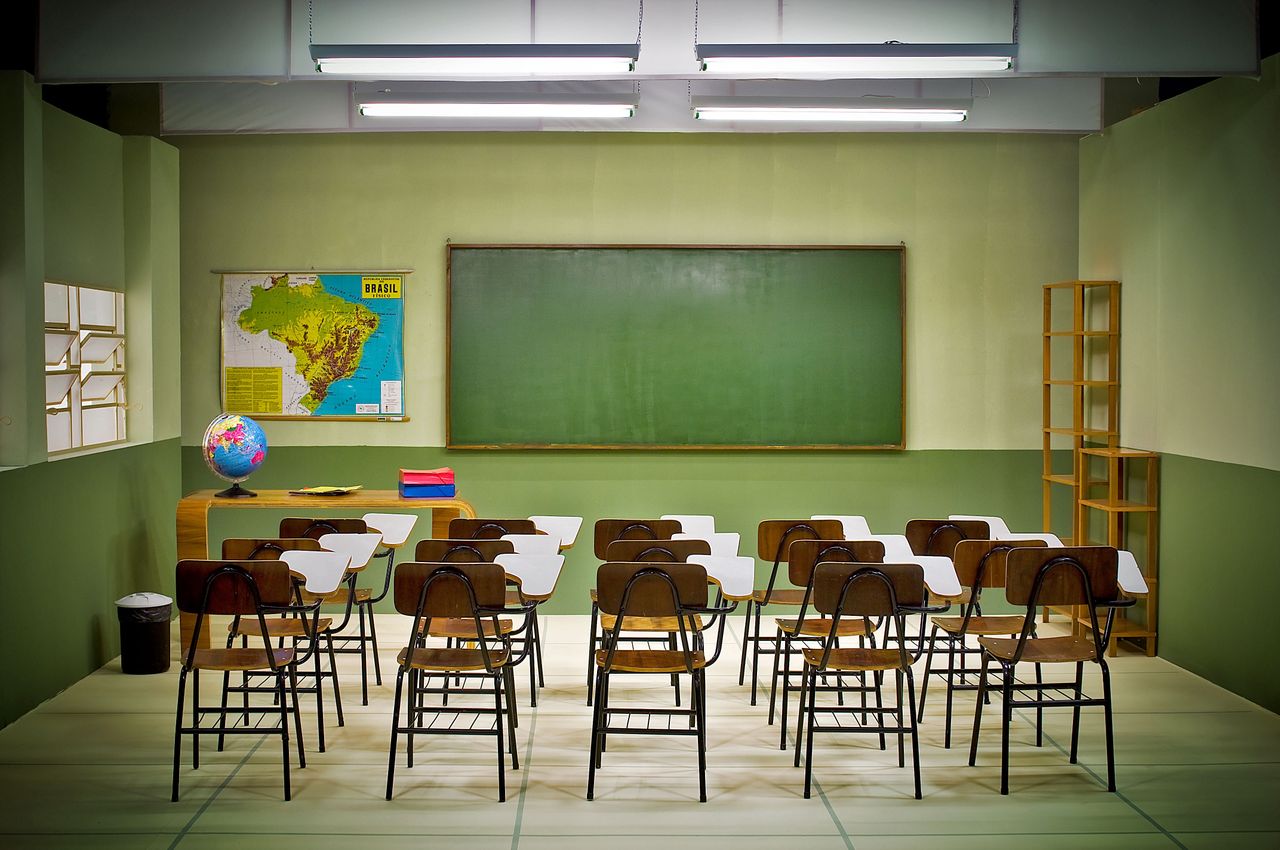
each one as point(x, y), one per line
point(1198, 767)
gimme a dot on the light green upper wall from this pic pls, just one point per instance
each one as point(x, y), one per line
point(1180, 205)
point(986, 219)
point(84, 202)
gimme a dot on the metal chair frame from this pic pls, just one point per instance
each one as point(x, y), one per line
point(906, 724)
point(502, 682)
point(284, 706)
point(1009, 685)
point(697, 711)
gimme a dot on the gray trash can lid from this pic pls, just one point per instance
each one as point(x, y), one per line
point(143, 600)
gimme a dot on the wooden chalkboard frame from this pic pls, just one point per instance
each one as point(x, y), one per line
point(900, 445)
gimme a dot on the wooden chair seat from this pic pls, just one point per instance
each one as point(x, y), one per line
point(278, 627)
point(1041, 650)
point(818, 627)
point(650, 624)
point(780, 597)
point(855, 659)
point(240, 658)
point(650, 660)
point(339, 596)
point(452, 660)
point(465, 628)
point(1007, 625)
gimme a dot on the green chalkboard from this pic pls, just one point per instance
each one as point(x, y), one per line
point(639, 346)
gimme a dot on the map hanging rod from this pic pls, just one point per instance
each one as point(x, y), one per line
point(311, 271)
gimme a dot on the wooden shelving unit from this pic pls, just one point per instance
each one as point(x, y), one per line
point(1080, 392)
point(1125, 515)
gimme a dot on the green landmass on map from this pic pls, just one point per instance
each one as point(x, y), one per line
point(326, 334)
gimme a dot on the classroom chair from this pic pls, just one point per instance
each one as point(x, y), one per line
point(864, 591)
point(431, 593)
point(239, 589)
point(486, 528)
point(773, 536)
point(607, 531)
point(937, 538)
point(1076, 575)
point(980, 564)
point(654, 590)
point(458, 631)
point(293, 629)
point(348, 595)
point(795, 632)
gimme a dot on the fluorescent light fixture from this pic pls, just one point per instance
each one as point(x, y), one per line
point(831, 110)
point(856, 60)
point(474, 60)
point(499, 106)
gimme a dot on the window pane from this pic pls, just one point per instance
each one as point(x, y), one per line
point(97, 307)
point(59, 427)
point(56, 344)
point(55, 303)
point(100, 425)
point(56, 387)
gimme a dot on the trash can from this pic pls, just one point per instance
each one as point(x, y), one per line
point(144, 632)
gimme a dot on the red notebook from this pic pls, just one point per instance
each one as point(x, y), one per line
point(443, 475)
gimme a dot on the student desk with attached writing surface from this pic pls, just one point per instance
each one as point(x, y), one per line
point(193, 520)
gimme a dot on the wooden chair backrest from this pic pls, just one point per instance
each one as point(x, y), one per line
point(439, 551)
point(446, 594)
point(231, 593)
point(1062, 583)
point(969, 554)
point(609, 530)
point(867, 594)
point(803, 555)
point(771, 534)
point(940, 536)
point(670, 551)
point(489, 529)
point(317, 528)
point(265, 548)
point(651, 595)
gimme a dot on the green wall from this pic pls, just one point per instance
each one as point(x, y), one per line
point(1179, 204)
point(82, 205)
point(740, 489)
point(986, 220)
point(79, 534)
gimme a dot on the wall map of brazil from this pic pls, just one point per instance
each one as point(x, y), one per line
point(313, 345)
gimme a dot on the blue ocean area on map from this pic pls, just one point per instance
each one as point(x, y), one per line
point(381, 359)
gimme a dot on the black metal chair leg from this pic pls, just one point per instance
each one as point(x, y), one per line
point(1075, 711)
point(755, 657)
point(1007, 712)
point(195, 720)
point(746, 642)
point(226, 681)
point(337, 692)
point(373, 644)
point(778, 648)
point(1106, 709)
point(915, 740)
point(297, 718)
point(284, 732)
point(364, 663)
point(177, 732)
point(591, 650)
point(977, 711)
point(395, 731)
point(808, 741)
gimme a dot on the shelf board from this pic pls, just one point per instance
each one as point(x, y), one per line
point(1121, 629)
point(1082, 333)
point(1069, 480)
point(1123, 506)
point(1087, 432)
point(1069, 383)
point(1085, 283)
point(1118, 452)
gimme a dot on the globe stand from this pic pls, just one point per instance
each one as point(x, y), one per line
point(235, 491)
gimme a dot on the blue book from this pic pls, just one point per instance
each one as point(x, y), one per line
point(428, 491)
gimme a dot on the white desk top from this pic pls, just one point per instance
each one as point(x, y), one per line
point(534, 544)
point(395, 528)
point(723, 544)
point(537, 574)
point(696, 525)
point(321, 572)
point(736, 575)
point(565, 528)
point(358, 547)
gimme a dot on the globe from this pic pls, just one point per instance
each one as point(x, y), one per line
point(234, 446)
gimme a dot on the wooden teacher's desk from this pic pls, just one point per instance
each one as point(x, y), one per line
point(193, 520)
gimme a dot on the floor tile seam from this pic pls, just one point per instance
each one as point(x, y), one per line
point(1167, 834)
point(217, 791)
point(524, 779)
